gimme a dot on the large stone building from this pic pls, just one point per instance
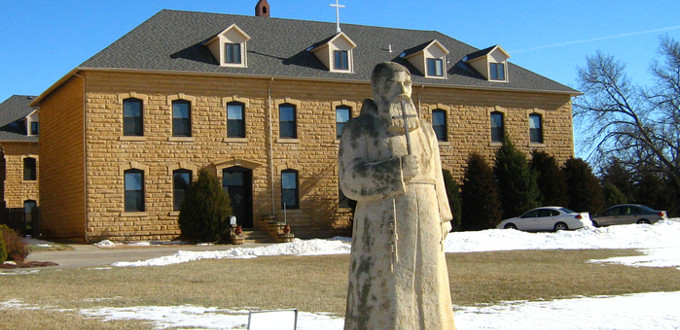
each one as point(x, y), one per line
point(19, 128)
point(262, 102)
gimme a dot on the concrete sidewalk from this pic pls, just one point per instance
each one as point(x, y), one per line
point(84, 255)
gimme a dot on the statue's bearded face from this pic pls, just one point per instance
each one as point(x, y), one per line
point(395, 89)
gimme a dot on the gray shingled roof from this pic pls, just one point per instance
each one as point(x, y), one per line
point(172, 41)
point(12, 113)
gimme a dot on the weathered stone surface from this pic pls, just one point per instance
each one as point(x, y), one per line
point(398, 277)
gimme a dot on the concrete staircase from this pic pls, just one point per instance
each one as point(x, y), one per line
point(257, 236)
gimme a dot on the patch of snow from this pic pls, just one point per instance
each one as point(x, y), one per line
point(599, 312)
point(662, 234)
point(201, 317)
point(659, 235)
point(653, 310)
point(297, 247)
point(659, 257)
point(105, 243)
point(141, 243)
point(20, 272)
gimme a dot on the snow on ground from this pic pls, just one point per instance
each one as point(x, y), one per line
point(297, 247)
point(659, 241)
point(655, 310)
point(600, 312)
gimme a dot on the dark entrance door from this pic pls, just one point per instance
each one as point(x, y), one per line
point(237, 182)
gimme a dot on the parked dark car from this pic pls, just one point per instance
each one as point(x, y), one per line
point(627, 214)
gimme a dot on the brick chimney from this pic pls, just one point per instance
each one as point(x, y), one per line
point(262, 8)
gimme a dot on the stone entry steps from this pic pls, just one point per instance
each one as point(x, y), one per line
point(257, 236)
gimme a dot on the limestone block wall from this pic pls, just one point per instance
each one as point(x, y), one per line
point(17, 190)
point(469, 124)
point(313, 153)
point(62, 185)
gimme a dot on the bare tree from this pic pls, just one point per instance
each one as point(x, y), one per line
point(638, 126)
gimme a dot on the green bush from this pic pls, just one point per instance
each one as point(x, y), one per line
point(612, 195)
point(516, 181)
point(583, 188)
point(479, 195)
point(453, 194)
point(16, 248)
point(550, 179)
point(204, 215)
point(3, 248)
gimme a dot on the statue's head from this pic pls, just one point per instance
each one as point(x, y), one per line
point(391, 83)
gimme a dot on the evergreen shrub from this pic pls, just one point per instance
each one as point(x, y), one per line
point(549, 179)
point(204, 214)
point(584, 191)
point(453, 194)
point(479, 195)
point(516, 181)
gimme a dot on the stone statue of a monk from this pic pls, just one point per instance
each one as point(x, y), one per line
point(398, 277)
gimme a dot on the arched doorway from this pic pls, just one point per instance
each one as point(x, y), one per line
point(238, 183)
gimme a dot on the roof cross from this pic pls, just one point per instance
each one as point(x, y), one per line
point(337, 14)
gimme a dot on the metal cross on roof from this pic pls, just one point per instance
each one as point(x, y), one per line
point(337, 14)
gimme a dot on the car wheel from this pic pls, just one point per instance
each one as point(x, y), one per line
point(561, 226)
point(643, 221)
point(510, 226)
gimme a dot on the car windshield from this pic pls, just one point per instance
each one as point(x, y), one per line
point(566, 210)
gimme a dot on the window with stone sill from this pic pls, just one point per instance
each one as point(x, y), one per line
point(342, 115)
point(439, 124)
point(289, 189)
point(535, 128)
point(181, 118)
point(497, 127)
point(30, 169)
point(236, 124)
point(287, 122)
point(181, 179)
point(133, 122)
point(134, 190)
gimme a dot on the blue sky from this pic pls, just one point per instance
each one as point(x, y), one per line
point(43, 40)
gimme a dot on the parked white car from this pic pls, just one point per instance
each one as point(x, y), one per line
point(548, 218)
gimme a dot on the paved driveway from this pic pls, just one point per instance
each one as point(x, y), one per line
point(84, 255)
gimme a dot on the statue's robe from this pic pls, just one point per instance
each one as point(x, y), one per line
point(398, 277)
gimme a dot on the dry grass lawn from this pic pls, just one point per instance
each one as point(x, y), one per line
point(311, 283)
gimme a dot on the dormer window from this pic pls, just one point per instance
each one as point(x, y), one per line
point(490, 62)
point(341, 60)
point(335, 53)
point(232, 53)
point(428, 58)
point(35, 128)
point(497, 71)
point(32, 122)
point(229, 46)
point(435, 67)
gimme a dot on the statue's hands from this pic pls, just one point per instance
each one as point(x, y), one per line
point(409, 166)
